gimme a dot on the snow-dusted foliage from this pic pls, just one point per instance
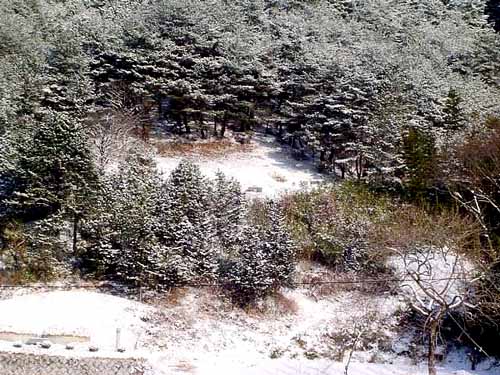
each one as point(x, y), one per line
point(364, 88)
point(186, 230)
point(228, 208)
point(338, 80)
point(264, 259)
point(37, 251)
point(334, 226)
point(50, 165)
point(279, 247)
point(186, 223)
point(120, 233)
point(247, 275)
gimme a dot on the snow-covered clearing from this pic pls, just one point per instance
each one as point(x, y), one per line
point(266, 165)
point(194, 331)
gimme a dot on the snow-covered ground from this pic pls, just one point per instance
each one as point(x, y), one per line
point(198, 333)
point(91, 317)
point(322, 367)
point(266, 165)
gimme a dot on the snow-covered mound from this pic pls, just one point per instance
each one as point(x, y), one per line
point(75, 313)
point(266, 166)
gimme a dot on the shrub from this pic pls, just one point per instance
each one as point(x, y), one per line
point(333, 225)
point(38, 251)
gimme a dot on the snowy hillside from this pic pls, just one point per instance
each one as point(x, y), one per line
point(195, 333)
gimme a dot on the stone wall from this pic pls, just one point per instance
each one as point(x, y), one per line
point(31, 364)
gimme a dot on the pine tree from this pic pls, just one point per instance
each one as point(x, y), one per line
point(454, 118)
point(420, 156)
point(56, 168)
point(264, 259)
point(120, 234)
point(279, 246)
point(50, 171)
point(186, 224)
point(247, 275)
point(228, 208)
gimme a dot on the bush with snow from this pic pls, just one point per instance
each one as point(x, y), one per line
point(334, 225)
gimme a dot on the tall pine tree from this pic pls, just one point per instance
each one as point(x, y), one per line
point(186, 223)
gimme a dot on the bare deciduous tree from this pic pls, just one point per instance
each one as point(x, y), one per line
point(111, 135)
point(438, 286)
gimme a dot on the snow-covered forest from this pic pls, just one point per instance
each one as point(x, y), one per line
point(286, 155)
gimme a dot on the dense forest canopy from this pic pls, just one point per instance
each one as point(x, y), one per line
point(361, 86)
point(335, 77)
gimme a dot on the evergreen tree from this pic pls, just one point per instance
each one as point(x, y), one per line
point(247, 276)
point(264, 260)
point(186, 223)
point(55, 169)
point(120, 234)
point(279, 246)
point(419, 154)
point(228, 208)
point(50, 171)
point(453, 115)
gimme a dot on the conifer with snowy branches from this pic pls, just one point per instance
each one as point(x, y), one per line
point(54, 168)
point(247, 276)
point(279, 246)
point(228, 208)
point(47, 169)
point(185, 224)
point(264, 260)
point(121, 232)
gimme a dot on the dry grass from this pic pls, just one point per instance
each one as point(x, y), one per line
point(209, 149)
point(278, 177)
point(174, 295)
point(322, 281)
point(165, 298)
point(184, 366)
point(285, 305)
point(410, 227)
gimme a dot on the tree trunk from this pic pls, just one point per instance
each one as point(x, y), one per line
point(178, 121)
point(359, 166)
point(145, 132)
point(201, 124)
point(75, 234)
point(432, 348)
point(224, 123)
point(322, 155)
point(186, 123)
